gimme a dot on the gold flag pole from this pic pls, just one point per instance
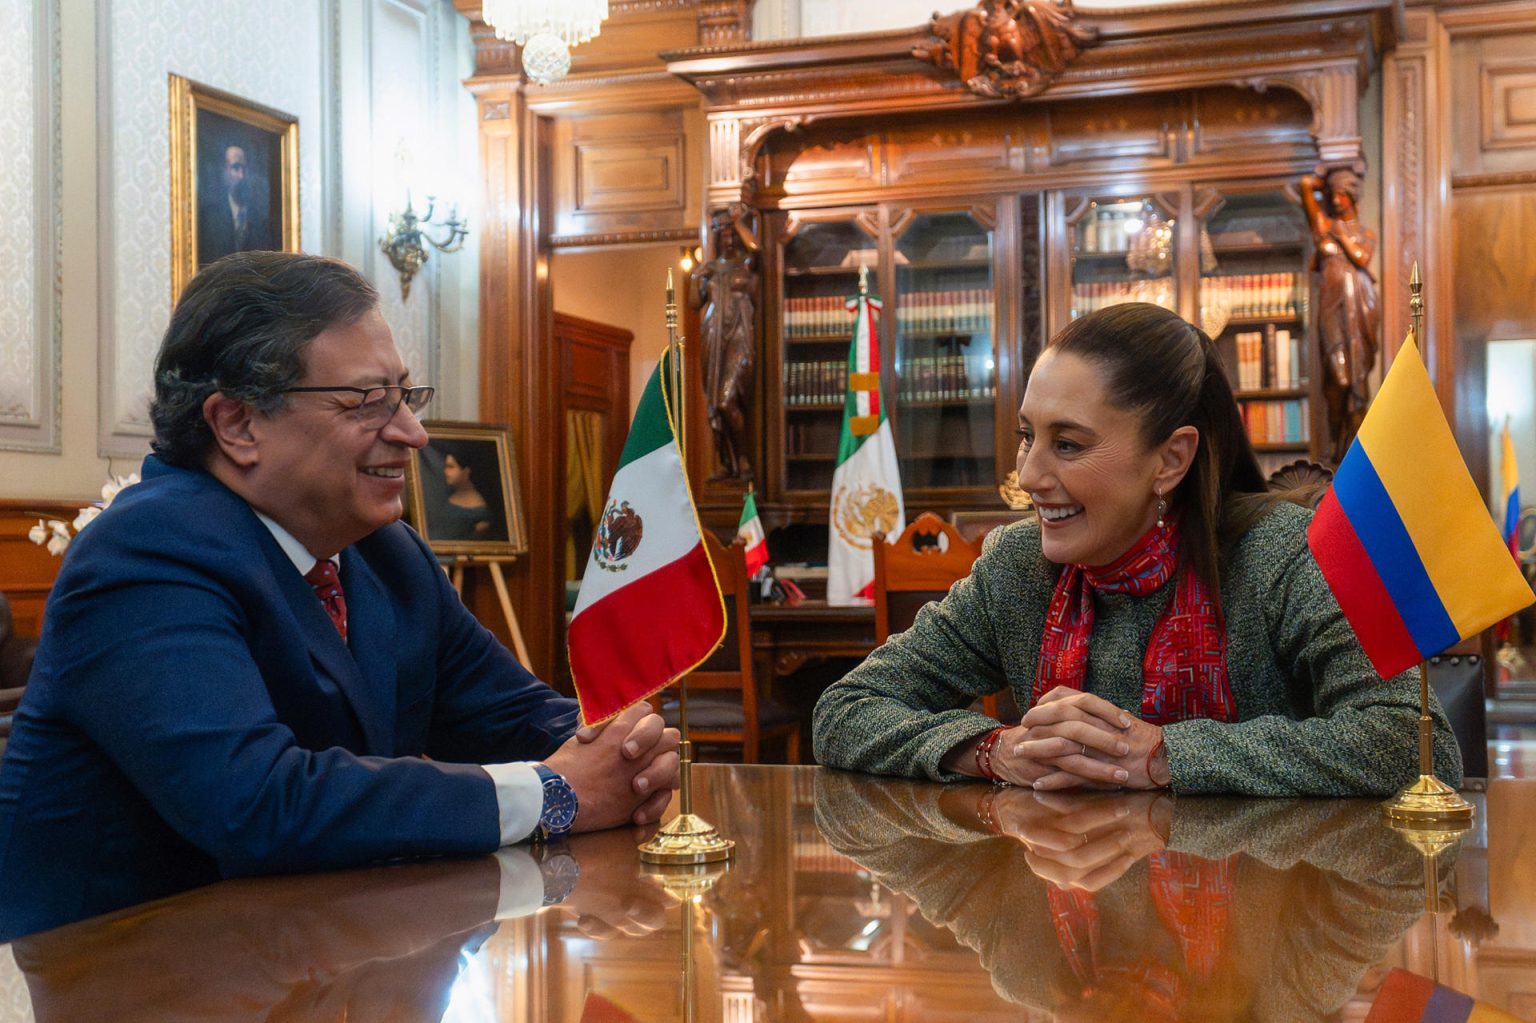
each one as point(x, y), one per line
point(1428, 804)
point(686, 839)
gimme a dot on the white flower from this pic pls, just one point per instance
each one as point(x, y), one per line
point(115, 486)
point(60, 538)
point(56, 535)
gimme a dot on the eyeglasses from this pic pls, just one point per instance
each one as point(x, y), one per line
point(377, 405)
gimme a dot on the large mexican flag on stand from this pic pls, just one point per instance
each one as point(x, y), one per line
point(866, 488)
point(650, 608)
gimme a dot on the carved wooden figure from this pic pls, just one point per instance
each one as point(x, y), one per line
point(726, 289)
point(1348, 318)
point(1007, 47)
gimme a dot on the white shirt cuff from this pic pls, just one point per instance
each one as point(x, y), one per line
point(519, 799)
point(522, 884)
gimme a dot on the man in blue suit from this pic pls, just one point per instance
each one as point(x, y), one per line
point(249, 665)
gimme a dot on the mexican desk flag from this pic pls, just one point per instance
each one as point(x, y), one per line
point(650, 609)
point(1403, 537)
point(751, 533)
point(866, 487)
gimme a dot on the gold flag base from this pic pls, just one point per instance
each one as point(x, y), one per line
point(1429, 805)
point(687, 881)
point(687, 839)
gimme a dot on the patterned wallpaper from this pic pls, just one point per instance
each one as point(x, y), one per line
point(270, 52)
point(29, 190)
point(374, 101)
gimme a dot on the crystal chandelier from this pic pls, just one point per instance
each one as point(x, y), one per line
point(546, 30)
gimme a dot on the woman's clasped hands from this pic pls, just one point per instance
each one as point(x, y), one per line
point(1071, 739)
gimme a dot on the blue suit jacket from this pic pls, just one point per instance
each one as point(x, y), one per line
point(192, 713)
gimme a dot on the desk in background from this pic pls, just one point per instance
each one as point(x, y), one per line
point(851, 898)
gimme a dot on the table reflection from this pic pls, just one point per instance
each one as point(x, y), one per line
point(850, 898)
point(1139, 906)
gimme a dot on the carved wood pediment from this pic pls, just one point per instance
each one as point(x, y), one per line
point(1007, 48)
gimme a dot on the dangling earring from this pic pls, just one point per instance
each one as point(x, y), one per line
point(1162, 509)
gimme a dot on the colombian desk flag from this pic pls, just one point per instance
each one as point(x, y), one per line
point(1409, 998)
point(1509, 478)
point(1403, 537)
point(650, 609)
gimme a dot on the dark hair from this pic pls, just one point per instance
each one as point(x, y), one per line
point(241, 328)
point(1169, 372)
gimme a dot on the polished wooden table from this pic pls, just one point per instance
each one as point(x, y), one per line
point(850, 898)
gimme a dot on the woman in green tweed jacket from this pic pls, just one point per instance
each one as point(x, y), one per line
point(1163, 623)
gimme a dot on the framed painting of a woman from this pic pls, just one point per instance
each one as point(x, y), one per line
point(463, 489)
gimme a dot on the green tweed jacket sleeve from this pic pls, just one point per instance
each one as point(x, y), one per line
point(1313, 716)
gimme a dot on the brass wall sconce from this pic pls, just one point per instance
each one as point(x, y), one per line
point(403, 243)
point(688, 257)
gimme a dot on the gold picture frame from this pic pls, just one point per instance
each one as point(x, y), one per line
point(483, 475)
point(225, 147)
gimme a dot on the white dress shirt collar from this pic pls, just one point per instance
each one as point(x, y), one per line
point(297, 553)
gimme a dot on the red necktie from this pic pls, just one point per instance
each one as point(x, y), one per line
point(328, 588)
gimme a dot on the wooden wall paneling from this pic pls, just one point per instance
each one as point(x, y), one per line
point(627, 176)
point(1494, 234)
point(956, 153)
point(27, 571)
point(1416, 106)
point(1133, 130)
point(1228, 123)
point(517, 375)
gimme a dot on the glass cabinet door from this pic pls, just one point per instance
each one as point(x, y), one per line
point(1253, 303)
point(821, 271)
point(1124, 250)
point(946, 350)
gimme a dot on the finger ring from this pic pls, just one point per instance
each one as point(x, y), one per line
point(1085, 749)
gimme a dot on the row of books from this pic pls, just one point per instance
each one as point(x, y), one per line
point(1271, 357)
point(954, 311)
point(817, 314)
point(1276, 422)
point(945, 378)
point(816, 382)
point(1090, 296)
point(963, 311)
point(924, 378)
point(1253, 295)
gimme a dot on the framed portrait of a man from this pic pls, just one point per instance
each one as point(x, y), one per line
point(463, 491)
point(234, 178)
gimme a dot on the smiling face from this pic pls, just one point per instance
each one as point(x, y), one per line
point(326, 478)
point(1085, 465)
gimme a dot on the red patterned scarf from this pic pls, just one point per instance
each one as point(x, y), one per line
point(1184, 673)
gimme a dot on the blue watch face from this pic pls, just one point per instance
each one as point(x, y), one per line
point(559, 803)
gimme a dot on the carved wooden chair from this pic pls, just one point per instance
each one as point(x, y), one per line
point(918, 567)
point(724, 704)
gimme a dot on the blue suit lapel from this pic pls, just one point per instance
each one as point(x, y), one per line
point(365, 674)
point(373, 683)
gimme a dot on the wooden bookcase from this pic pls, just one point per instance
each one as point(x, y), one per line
point(852, 150)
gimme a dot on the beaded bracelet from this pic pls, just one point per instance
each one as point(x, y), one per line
point(984, 750)
point(1151, 755)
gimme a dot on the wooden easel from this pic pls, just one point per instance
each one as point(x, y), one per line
point(455, 570)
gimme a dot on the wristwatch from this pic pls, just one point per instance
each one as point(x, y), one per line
point(560, 805)
point(558, 869)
